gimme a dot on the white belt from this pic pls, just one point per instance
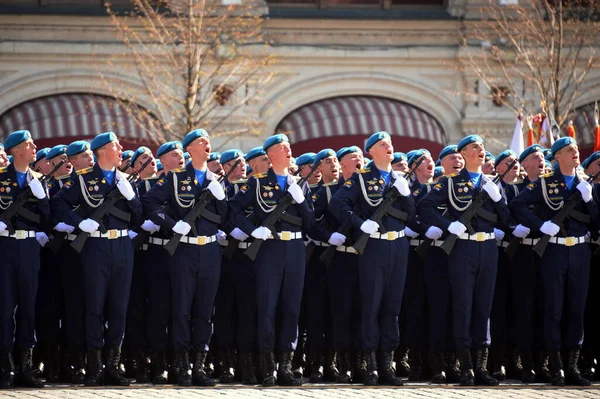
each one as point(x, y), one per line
point(318, 243)
point(144, 247)
point(224, 243)
point(434, 243)
point(110, 234)
point(200, 240)
point(415, 243)
point(569, 241)
point(390, 235)
point(71, 237)
point(529, 241)
point(288, 235)
point(244, 245)
point(19, 234)
point(158, 241)
point(502, 244)
point(477, 236)
point(349, 250)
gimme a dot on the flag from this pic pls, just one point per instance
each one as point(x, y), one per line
point(546, 136)
point(571, 130)
point(517, 145)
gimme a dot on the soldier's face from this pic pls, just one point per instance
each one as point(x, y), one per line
point(330, 168)
point(262, 164)
point(172, 160)
point(315, 178)
point(43, 166)
point(66, 167)
point(593, 168)
point(503, 166)
point(239, 172)
point(3, 159)
point(401, 166)
point(280, 154)
point(215, 167)
point(534, 163)
point(426, 169)
point(382, 151)
point(488, 168)
point(83, 160)
point(25, 151)
point(111, 154)
point(352, 162)
point(568, 157)
point(474, 154)
point(199, 149)
point(452, 163)
point(150, 170)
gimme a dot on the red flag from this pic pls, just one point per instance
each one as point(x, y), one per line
point(597, 138)
point(530, 138)
point(571, 130)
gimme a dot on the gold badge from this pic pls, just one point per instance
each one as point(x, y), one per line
point(470, 184)
point(380, 181)
point(103, 181)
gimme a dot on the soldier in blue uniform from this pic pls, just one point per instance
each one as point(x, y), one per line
point(280, 264)
point(474, 260)
point(125, 166)
point(107, 258)
point(382, 266)
point(21, 262)
point(195, 266)
point(400, 163)
point(566, 260)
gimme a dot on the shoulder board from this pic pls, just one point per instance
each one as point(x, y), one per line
point(84, 171)
point(241, 181)
point(364, 170)
point(333, 183)
point(547, 174)
point(161, 181)
point(259, 175)
point(35, 174)
point(3, 170)
point(517, 182)
point(531, 185)
point(178, 170)
point(152, 178)
point(313, 185)
point(452, 174)
point(63, 177)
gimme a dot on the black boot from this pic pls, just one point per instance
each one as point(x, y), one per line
point(345, 367)
point(267, 368)
point(25, 378)
point(247, 365)
point(402, 364)
point(112, 375)
point(330, 370)
point(573, 376)
point(159, 367)
point(437, 363)
point(142, 374)
point(7, 370)
point(299, 362)
point(315, 365)
point(76, 360)
point(527, 373)
point(387, 374)
point(52, 364)
point(285, 376)
point(452, 367)
point(360, 367)
point(586, 363)
point(467, 377)
point(93, 370)
point(497, 362)
point(199, 376)
point(557, 374)
point(514, 369)
point(415, 360)
point(372, 375)
point(184, 372)
point(227, 366)
point(540, 365)
point(482, 376)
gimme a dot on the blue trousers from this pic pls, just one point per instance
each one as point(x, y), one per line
point(107, 268)
point(49, 308)
point(382, 273)
point(415, 302)
point(71, 271)
point(18, 289)
point(135, 329)
point(194, 273)
point(524, 279)
point(472, 270)
point(439, 297)
point(318, 316)
point(158, 318)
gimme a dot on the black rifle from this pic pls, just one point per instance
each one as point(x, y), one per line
point(385, 208)
point(276, 214)
point(108, 206)
point(16, 207)
point(559, 218)
point(199, 208)
point(232, 243)
point(475, 209)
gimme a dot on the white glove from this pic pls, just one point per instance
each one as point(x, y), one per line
point(182, 228)
point(457, 228)
point(3, 227)
point(88, 225)
point(521, 231)
point(410, 233)
point(132, 234)
point(221, 237)
point(401, 184)
point(336, 239)
point(492, 190)
point(125, 188)
point(64, 228)
point(37, 189)
point(216, 190)
point(296, 192)
point(433, 233)
point(41, 238)
point(238, 234)
point(150, 226)
point(499, 234)
point(550, 228)
point(261, 233)
point(585, 189)
point(369, 226)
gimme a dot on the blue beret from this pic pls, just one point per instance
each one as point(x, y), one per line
point(186, 155)
point(214, 156)
point(306, 159)
point(326, 153)
point(276, 139)
point(230, 155)
point(193, 135)
point(416, 154)
point(342, 152)
point(41, 154)
point(399, 157)
point(548, 164)
point(254, 152)
point(437, 172)
point(1, 146)
point(448, 150)
point(474, 138)
point(56, 151)
point(368, 164)
point(546, 151)
point(126, 155)
point(503, 155)
point(168, 147)
point(530, 150)
point(139, 152)
point(561, 143)
point(293, 161)
point(489, 157)
point(248, 169)
point(10, 159)
point(16, 138)
point(103, 139)
point(77, 147)
point(376, 137)
point(159, 165)
point(549, 157)
point(595, 156)
point(438, 162)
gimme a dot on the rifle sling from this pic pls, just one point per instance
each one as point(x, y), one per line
point(29, 215)
point(487, 215)
point(210, 216)
point(119, 214)
point(291, 219)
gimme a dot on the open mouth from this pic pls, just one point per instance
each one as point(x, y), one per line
point(430, 168)
point(390, 152)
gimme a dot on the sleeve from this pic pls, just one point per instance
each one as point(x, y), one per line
point(504, 216)
point(428, 206)
point(309, 223)
point(240, 201)
point(344, 201)
point(64, 201)
point(137, 213)
point(153, 204)
point(519, 206)
point(45, 212)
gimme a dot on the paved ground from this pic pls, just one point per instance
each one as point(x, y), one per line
point(417, 391)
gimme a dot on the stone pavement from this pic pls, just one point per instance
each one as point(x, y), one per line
point(417, 391)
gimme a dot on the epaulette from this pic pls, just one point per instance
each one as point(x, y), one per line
point(364, 170)
point(178, 170)
point(35, 174)
point(84, 171)
point(518, 181)
point(452, 174)
point(333, 183)
point(315, 185)
point(547, 174)
point(3, 170)
point(259, 175)
point(62, 177)
point(241, 181)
